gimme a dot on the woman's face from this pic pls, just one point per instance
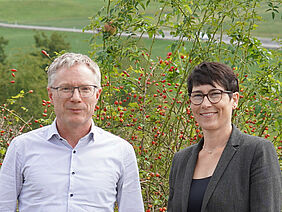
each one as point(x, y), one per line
point(214, 116)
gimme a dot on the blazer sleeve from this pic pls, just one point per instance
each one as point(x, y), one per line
point(265, 179)
point(171, 185)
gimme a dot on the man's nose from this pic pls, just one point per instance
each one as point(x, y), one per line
point(76, 94)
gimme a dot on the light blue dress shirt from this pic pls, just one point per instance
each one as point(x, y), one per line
point(44, 173)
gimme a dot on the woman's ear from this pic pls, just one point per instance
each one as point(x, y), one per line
point(235, 99)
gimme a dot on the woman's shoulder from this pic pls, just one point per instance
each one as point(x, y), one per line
point(186, 152)
point(251, 143)
point(252, 140)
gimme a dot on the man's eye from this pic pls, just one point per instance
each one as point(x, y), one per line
point(85, 88)
point(65, 89)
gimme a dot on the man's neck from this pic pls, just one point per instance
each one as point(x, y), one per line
point(73, 133)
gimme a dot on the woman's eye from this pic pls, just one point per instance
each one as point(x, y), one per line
point(215, 94)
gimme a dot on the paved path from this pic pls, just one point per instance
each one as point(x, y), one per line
point(266, 42)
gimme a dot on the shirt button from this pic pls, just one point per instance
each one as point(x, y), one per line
point(71, 195)
point(74, 151)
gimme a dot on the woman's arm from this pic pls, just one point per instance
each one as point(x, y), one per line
point(265, 179)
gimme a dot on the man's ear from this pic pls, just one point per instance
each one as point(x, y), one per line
point(50, 94)
point(98, 93)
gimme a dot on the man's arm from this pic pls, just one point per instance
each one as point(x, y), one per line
point(129, 197)
point(10, 180)
point(265, 184)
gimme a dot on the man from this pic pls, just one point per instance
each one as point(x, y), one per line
point(70, 165)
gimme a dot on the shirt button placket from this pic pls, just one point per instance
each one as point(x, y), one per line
point(72, 175)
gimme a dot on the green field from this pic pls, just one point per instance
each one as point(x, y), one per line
point(22, 41)
point(75, 14)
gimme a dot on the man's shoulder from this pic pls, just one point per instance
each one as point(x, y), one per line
point(31, 136)
point(107, 136)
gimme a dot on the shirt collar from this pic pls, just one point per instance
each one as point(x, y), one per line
point(53, 132)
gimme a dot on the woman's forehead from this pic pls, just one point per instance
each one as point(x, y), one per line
point(206, 87)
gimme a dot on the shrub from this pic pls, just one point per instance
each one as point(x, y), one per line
point(144, 98)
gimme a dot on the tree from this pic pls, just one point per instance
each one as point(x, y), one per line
point(55, 43)
point(3, 43)
point(145, 99)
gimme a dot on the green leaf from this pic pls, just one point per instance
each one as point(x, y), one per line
point(186, 6)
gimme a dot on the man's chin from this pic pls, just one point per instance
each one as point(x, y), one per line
point(77, 121)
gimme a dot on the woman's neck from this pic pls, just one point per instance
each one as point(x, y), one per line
point(214, 139)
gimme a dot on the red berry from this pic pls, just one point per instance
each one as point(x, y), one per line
point(45, 53)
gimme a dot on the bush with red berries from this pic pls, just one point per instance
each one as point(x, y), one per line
point(145, 98)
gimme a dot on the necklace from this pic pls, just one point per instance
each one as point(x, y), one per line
point(208, 151)
point(212, 151)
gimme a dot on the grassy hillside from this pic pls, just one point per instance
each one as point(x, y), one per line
point(75, 13)
point(22, 41)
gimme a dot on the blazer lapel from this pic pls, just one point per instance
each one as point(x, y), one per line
point(189, 171)
point(227, 155)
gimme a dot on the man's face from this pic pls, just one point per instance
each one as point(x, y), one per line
point(75, 110)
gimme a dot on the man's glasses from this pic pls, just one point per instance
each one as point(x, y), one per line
point(67, 91)
point(214, 96)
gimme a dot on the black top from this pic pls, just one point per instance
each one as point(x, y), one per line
point(197, 192)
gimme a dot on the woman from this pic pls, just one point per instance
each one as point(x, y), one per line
point(227, 171)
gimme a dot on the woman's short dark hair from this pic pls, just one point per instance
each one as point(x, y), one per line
point(213, 72)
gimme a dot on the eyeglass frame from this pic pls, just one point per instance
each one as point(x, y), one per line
point(207, 95)
point(73, 89)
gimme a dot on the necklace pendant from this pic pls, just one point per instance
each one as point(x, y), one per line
point(209, 152)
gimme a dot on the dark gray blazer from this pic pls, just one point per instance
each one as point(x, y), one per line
point(247, 177)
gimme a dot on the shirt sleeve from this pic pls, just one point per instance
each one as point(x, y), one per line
point(10, 179)
point(265, 184)
point(129, 197)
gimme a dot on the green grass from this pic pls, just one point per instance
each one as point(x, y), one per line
point(63, 13)
point(75, 14)
point(22, 41)
point(269, 27)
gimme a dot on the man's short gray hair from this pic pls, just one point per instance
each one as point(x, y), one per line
point(70, 59)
